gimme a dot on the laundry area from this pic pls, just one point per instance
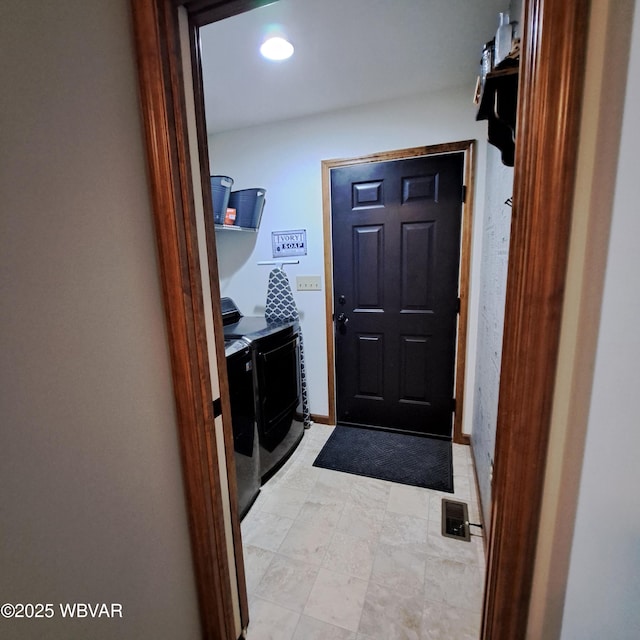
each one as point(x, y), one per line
point(344, 222)
point(265, 372)
point(316, 259)
point(264, 353)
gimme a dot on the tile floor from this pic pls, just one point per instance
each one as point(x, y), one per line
point(333, 556)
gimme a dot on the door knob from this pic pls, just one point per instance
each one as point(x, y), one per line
point(342, 319)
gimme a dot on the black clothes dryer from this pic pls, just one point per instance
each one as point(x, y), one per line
point(276, 376)
point(243, 417)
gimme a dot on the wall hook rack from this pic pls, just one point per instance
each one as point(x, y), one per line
point(278, 263)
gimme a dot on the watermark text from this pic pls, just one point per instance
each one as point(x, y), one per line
point(50, 610)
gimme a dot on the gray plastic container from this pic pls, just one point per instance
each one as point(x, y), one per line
point(220, 192)
point(248, 204)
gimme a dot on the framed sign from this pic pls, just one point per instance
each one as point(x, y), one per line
point(289, 243)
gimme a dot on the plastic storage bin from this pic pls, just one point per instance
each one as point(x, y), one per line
point(248, 204)
point(220, 192)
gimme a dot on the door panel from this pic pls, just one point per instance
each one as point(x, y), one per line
point(396, 252)
point(417, 265)
point(368, 244)
point(415, 385)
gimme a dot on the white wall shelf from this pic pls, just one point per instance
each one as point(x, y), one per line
point(231, 227)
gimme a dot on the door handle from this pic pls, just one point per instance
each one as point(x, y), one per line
point(342, 319)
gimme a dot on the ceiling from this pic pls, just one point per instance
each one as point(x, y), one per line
point(347, 53)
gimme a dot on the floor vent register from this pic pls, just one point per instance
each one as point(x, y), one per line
point(455, 520)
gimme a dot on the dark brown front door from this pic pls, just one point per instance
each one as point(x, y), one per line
point(396, 254)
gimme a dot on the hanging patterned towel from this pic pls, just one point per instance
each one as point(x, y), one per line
point(281, 307)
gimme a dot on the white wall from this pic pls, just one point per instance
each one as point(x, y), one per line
point(492, 292)
point(285, 158)
point(92, 506)
point(603, 589)
point(492, 288)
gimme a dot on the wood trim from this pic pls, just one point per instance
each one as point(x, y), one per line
point(551, 81)
point(466, 146)
point(328, 289)
point(485, 543)
point(550, 87)
point(203, 12)
point(157, 41)
point(401, 154)
point(214, 283)
point(463, 292)
point(315, 418)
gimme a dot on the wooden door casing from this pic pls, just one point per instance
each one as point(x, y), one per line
point(551, 87)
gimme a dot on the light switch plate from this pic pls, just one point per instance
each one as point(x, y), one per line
point(308, 283)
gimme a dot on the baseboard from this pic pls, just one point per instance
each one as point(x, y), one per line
point(485, 532)
point(316, 418)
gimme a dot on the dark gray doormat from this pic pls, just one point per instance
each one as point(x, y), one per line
point(387, 455)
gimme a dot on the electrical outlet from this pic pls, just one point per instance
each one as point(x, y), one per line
point(308, 283)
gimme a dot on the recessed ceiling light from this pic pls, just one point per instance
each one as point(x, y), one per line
point(276, 48)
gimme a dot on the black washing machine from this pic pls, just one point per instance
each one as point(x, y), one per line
point(275, 353)
point(243, 417)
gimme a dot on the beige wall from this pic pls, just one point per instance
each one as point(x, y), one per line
point(603, 587)
point(585, 583)
point(91, 500)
